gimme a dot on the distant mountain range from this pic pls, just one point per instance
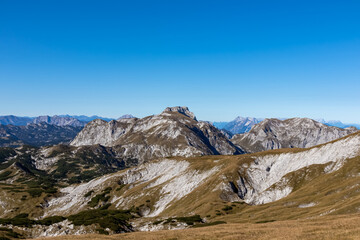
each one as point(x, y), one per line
point(339, 124)
point(238, 125)
point(36, 134)
point(58, 120)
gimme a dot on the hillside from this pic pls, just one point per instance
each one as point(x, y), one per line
point(328, 227)
point(290, 133)
point(169, 193)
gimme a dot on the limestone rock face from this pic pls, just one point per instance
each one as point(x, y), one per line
point(174, 132)
point(290, 133)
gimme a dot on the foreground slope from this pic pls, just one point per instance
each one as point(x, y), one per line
point(275, 185)
point(330, 227)
point(174, 132)
point(291, 133)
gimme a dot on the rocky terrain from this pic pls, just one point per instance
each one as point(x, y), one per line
point(174, 132)
point(291, 133)
point(171, 171)
point(41, 134)
point(178, 192)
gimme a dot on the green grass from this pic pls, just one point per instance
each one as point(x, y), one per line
point(116, 220)
point(209, 224)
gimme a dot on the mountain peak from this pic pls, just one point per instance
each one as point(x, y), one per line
point(126, 116)
point(183, 110)
point(273, 133)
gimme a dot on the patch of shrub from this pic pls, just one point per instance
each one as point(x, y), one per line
point(106, 206)
point(100, 197)
point(88, 194)
point(50, 220)
point(190, 220)
point(20, 220)
point(10, 233)
point(209, 224)
point(36, 192)
point(116, 220)
point(102, 231)
point(5, 175)
point(265, 221)
point(158, 222)
point(227, 208)
point(120, 187)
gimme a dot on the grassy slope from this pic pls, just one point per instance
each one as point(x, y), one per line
point(329, 227)
point(333, 194)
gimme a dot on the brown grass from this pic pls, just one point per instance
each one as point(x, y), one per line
point(330, 227)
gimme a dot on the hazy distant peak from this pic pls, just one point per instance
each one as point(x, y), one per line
point(126, 116)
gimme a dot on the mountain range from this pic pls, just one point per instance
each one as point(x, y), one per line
point(173, 193)
point(61, 120)
point(36, 134)
point(174, 132)
point(172, 171)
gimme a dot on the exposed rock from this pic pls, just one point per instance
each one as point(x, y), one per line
point(174, 132)
point(182, 110)
point(290, 133)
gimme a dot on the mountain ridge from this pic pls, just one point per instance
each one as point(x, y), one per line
point(290, 133)
point(174, 132)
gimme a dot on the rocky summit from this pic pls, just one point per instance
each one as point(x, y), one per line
point(174, 132)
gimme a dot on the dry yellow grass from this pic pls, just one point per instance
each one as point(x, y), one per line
point(330, 227)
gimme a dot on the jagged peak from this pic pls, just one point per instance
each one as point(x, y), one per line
point(183, 110)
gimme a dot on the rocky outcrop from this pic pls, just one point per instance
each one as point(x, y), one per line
point(290, 133)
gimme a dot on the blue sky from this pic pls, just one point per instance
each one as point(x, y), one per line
point(220, 58)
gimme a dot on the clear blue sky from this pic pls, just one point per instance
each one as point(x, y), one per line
point(220, 58)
